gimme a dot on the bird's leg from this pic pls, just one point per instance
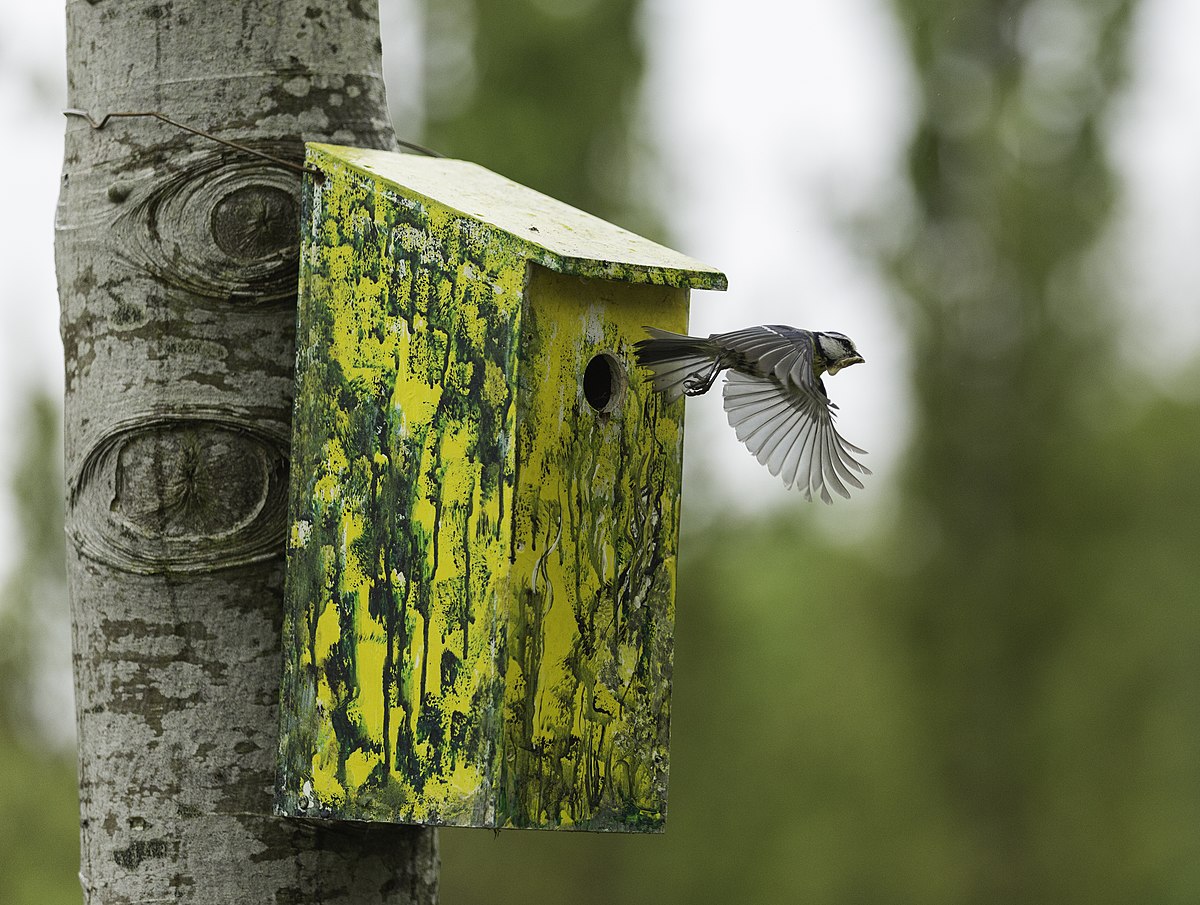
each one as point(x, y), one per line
point(701, 382)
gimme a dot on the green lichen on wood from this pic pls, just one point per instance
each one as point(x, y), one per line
point(540, 229)
point(480, 591)
point(590, 634)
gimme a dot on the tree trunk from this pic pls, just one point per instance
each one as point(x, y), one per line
point(177, 278)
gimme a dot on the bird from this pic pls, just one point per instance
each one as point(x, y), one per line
point(774, 396)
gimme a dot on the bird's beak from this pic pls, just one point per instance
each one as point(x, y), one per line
point(845, 363)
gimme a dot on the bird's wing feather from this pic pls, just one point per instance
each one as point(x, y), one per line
point(786, 352)
point(790, 429)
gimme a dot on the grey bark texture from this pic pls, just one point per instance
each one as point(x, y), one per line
point(177, 279)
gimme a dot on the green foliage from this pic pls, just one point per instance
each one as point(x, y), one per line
point(39, 829)
point(39, 826)
point(1013, 330)
point(539, 90)
point(38, 576)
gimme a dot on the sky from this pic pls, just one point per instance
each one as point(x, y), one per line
point(768, 141)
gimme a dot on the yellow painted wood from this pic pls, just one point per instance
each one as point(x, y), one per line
point(484, 512)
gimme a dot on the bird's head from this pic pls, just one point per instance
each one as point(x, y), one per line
point(838, 351)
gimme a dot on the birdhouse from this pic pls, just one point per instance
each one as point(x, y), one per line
point(481, 568)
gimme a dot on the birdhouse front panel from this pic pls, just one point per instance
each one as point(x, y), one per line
point(484, 506)
point(592, 584)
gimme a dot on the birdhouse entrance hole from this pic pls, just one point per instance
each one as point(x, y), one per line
point(604, 382)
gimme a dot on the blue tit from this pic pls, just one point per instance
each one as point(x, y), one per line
point(774, 396)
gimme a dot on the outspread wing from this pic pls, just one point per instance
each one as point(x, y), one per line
point(789, 428)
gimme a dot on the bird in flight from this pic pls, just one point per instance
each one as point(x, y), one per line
point(774, 396)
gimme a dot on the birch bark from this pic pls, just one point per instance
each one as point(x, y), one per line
point(177, 270)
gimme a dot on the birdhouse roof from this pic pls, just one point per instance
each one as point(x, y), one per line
point(555, 235)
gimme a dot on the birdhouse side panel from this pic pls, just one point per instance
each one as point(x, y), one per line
point(403, 465)
point(590, 636)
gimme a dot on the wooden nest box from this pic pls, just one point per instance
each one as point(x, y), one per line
point(484, 506)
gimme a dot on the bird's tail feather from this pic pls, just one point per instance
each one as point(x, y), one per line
point(675, 359)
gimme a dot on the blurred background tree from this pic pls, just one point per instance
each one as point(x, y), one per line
point(39, 805)
point(543, 91)
point(993, 697)
point(1039, 633)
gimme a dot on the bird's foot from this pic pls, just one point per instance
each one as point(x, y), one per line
point(699, 384)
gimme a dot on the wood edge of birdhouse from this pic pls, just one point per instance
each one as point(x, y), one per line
point(598, 257)
point(622, 272)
